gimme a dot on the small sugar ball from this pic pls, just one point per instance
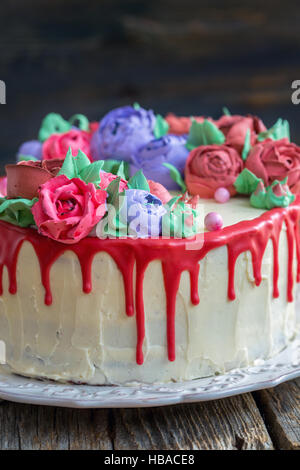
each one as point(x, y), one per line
point(222, 195)
point(213, 221)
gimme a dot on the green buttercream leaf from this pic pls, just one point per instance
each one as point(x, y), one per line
point(205, 133)
point(91, 173)
point(136, 106)
point(279, 130)
point(176, 176)
point(246, 182)
point(113, 191)
point(81, 167)
point(121, 170)
point(17, 211)
point(172, 202)
point(267, 199)
point(272, 200)
point(26, 158)
point(53, 124)
point(258, 197)
point(180, 222)
point(138, 181)
point(247, 145)
point(69, 167)
point(112, 166)
point(161, 127)
point(80, 121)
point(226, 111)
point(81, 160)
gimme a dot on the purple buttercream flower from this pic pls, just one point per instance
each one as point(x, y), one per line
point(150, 158)
point(124, 130)
point(32, 148)
point(142, 212)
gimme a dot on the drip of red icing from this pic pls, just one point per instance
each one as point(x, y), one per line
point(176, 256)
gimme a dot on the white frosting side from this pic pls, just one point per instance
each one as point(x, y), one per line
point(89, 338)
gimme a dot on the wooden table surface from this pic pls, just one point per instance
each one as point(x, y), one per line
point(268, 419)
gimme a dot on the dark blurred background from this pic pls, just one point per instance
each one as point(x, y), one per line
point(185, 56)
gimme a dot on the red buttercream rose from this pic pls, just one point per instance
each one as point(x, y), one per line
point(235, 129)
point(107, 178)
point(209, 167)
point(67, 210)
point(276, 159)
point(180, 125)
point(58, 144)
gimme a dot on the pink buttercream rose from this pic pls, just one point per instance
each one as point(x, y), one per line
point(235, 129)
point(271, 160)
point(159, 191)
point(209, 167)
point(3, 186)
point(107, 178)
point(67, 210)
point(57, 145)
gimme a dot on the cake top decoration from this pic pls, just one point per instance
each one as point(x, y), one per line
point(112, 178)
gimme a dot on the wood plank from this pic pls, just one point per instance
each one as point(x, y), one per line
point(232, 423)
point(280, 407)
point(42, 427)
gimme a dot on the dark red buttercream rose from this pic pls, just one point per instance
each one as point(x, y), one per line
point(235, 129)
point(209, 167)
point(271, 160)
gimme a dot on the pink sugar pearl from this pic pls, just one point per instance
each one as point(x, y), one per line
point(222, 195)
point(213, 221)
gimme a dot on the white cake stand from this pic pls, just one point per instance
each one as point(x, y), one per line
point(285, 366)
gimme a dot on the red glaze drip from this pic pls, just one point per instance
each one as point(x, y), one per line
point(176, 256)
point(290, 237)
point(275, 267)
point(194, 276)
point(171, 280)
point(297, 238)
